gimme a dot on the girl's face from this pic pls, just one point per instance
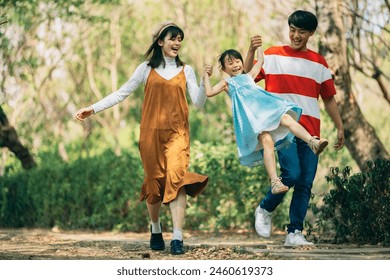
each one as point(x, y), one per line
point(232, 66)
point(170, 45)
point(299, 38)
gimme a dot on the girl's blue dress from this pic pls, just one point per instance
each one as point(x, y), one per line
point(256, 110)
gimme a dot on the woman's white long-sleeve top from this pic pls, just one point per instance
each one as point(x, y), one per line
point(140, 76)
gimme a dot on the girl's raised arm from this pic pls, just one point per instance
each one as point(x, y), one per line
point(250, 57)
point(218, 88)
point(257, 66)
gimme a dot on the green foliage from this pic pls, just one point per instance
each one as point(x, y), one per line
point(54, 80)
point(358, 207)
point(233, 193)
point(102, 192)
point(88, 193)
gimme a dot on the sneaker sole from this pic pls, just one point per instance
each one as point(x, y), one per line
point(261, 235)
point(280, 190)
point(301, 245)
point(322, 146)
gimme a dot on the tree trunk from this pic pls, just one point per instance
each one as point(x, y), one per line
point(378, 77)
point(361, 138)
point(9, 138)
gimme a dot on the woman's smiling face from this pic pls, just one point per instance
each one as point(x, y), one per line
point(170, 45)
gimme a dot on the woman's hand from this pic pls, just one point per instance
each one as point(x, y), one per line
point(83, 113)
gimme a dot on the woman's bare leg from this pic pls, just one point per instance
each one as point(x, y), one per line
point(154, 211)
point(178, 210)
point(156, 237)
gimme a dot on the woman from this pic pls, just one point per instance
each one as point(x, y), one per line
point(164, 138)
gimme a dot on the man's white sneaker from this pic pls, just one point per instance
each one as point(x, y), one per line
point(263, 222)
point(296, 239)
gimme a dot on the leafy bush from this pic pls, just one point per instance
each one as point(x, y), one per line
point(233, 192)
point(102, 192)
point(89, 193)
point(358, 207)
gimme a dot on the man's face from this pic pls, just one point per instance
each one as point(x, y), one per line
point(299, 37)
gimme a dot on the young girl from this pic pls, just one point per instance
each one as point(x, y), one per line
point(262, 121)
point(164, 138)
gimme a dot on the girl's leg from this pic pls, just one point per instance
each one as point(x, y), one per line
point(270, 164)
point(316, 144)
point(269, 154)
point(297, 129)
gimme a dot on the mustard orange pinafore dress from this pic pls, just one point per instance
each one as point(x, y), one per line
point(165, 141)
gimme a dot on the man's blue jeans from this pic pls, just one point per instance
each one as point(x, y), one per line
point(298, 166)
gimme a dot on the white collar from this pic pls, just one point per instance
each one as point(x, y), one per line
point(169, 61)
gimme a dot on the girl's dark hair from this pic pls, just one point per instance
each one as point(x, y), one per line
point(154, 53)
point(230, 54)
point(303, 19)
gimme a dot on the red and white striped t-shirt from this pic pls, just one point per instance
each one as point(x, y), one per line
point(300, 77)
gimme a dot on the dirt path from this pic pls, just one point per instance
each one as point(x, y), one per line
point(40, 244)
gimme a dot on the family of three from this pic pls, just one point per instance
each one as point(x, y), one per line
point(283, 117)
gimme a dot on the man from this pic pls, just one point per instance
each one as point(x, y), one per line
point(301, 76)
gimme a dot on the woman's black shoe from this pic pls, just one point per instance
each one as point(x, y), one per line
point(156, 241)
point(177, 247)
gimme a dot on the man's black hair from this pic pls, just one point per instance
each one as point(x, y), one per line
point(303, 19)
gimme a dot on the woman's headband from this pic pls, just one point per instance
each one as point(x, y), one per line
point(160, 28)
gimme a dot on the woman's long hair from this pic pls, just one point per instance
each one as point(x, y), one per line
point(154, 53)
